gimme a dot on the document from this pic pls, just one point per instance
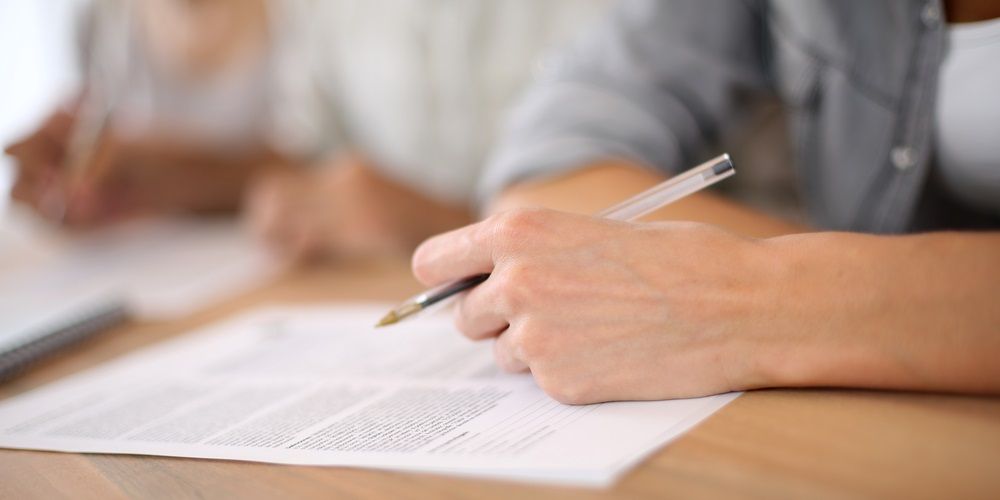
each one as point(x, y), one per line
point(320, 386)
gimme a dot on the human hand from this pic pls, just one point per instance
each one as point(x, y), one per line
point(76, 195)
point(342, 209)
point(39, 158)
point(599, 310)
point(120, 177)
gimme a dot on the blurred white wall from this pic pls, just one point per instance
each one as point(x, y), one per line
point(37, 68)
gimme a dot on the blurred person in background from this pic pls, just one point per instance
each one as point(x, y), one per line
point(895, 110)
point(357, 127)
point(419, 90)
point(196, 98)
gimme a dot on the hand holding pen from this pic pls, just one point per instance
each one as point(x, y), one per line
point(648, 201)
point(73, 149)
point(57, 163)
point(604, 310)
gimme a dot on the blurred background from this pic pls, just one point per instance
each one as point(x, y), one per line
point(294, 104)
point(39, 69)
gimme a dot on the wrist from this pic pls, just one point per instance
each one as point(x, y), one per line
point(835, 297)
point(817, 285)
point(763, 346)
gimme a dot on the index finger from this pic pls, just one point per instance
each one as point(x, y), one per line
point(450, 256)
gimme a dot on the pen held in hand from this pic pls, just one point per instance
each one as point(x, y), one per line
point(644, 203)
point(85, 140)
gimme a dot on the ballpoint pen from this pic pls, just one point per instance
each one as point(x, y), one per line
point(84, 139)
point(93, 115)
point(652, 199)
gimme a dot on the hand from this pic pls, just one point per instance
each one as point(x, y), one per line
point(600, 310)
point(344, 209)
point(122, 178)
point(44, 183)
point(39, 158)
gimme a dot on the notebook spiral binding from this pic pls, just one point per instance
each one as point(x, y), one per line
point(14, 361)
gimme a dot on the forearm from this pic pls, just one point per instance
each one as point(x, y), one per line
point(200, 178)
point(912, 312)
point(593, 188)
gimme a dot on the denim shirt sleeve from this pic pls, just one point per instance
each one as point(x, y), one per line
point(653, 83)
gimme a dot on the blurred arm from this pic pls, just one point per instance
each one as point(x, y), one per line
point(654, 85)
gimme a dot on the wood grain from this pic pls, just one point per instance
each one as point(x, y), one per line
point(767, 444)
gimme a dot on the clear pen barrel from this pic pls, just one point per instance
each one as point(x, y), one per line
point(697, 178)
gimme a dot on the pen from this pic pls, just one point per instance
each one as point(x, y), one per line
point(84, 136)
point(85, 140)
point(652, 199)
point(103, 86)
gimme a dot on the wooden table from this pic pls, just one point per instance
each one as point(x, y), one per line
point(767, 444)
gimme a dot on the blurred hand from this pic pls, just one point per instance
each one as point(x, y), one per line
point(344, 209)
point(39, 158)
point(120, 178)
point(600, 310)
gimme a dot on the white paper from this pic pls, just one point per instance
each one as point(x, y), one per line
point(157, 269)
point(320, 386)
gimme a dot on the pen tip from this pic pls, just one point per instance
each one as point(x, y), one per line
point(387, 320)
point(399, 314)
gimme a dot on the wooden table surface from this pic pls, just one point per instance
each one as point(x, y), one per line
point(767, 444)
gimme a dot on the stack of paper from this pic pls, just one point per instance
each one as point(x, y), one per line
point(319, 386)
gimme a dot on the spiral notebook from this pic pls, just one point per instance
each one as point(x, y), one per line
point(57, 290)
point(25, 340)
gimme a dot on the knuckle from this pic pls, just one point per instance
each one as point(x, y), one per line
point(533, 346)
point(505, 356)
point(515, 339)
point(515, 286)
point(462, 319)
point(517, 225)
point(532, 343)
point(565, 390)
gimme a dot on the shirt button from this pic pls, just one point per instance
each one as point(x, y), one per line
point(903, 157)
point(931, 15)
